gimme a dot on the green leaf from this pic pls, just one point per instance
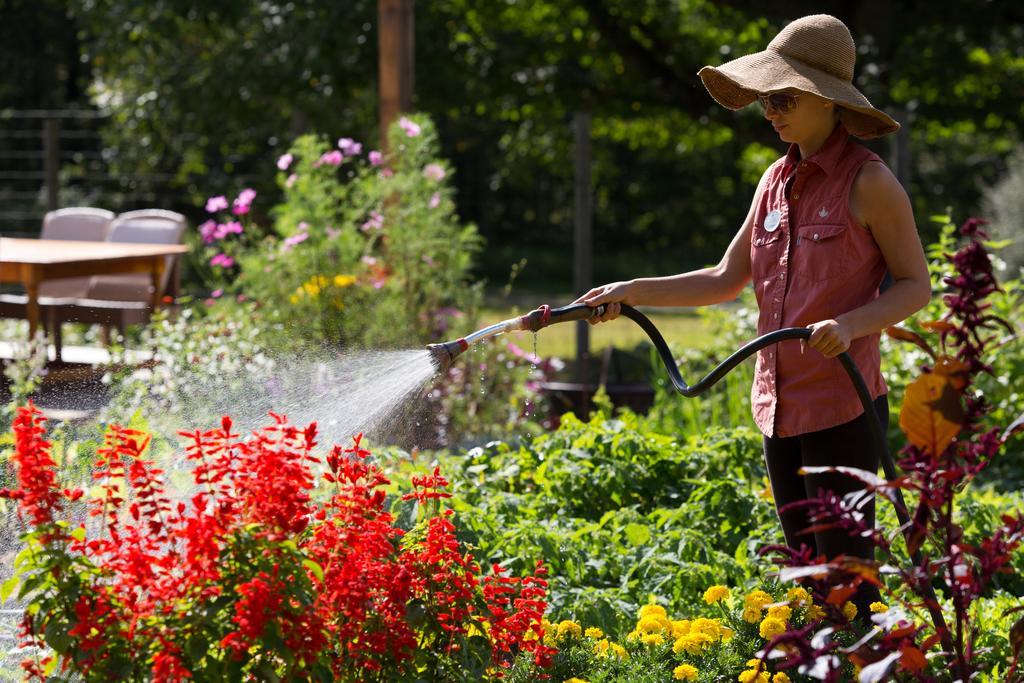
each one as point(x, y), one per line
point(314, 568)
point(637, 534)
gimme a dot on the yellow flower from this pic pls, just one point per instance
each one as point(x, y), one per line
point(568, 629)
point(653, 624)
point(652, 639)
point(798, 596)
point(344, 280)
point(727, 633)
point(755, 664)
point(652, 610)
point(758, 599)
point(780, 678)
point(684, 672)
point(780, 612)
point(594, 632)
point(753, 676)
point(601, 647)
point(709, 627)
point(814, 612)
point(751, 614)
point(633, 635)
point(849, 610)
point(575, 680)
point(680, 628)
point(715, 594)
point(692, 643)
point(877, 607)
point(294, 298)
point(771, 627)
point(619, 651)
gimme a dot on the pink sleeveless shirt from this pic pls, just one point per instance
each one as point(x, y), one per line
point(811, 261)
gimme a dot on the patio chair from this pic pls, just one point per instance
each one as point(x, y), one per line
point(122, 300)
point(82, 223)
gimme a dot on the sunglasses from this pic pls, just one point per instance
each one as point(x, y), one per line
point(782, 102)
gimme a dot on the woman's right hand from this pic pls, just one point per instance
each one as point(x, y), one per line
point(613, 295)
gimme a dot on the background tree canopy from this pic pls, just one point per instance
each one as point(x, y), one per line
point(208, 93)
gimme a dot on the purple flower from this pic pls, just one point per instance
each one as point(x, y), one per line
point(244, 201)
point(411, 128)
point(284, 161)
point(332, 158)
point(215, 204)
point(208, 231)
point(375, 157)
point(216, 293)
point(435, 199)
point(350, 147)
point(434, 172)
point(291, 180)
point(222, 260)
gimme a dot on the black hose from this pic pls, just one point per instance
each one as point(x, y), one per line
point(877, 430)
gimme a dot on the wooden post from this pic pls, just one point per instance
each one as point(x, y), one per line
point(395, 60)
point(52, 163)
point(582, 242)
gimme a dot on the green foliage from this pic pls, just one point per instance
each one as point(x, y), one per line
point(364, 255)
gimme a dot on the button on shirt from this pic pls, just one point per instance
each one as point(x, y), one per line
point(817, 264)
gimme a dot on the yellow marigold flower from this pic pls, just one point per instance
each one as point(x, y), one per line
point(575, 680)
point(753, 676)
point(727, 633)
point(798, 596)
point(758, 599)
point(849, 610)
point(653, 624)
point(877, 607)
point(594, 632)
point(684, 672)
point(680, 628)
point(780, 612)
point(652, 610)
point(781, 678)
point(619, 651)
point(815, 612)
point(755, 664)
point(709, 627)
point(771, 627)
point(751, 614)
point(294, 298)
point(652, 639)
point(692, 643)
point(344, 280)
point(715, 594)
point(602, 647)
point(568, 629)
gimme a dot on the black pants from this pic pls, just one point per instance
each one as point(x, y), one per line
point(849, 444)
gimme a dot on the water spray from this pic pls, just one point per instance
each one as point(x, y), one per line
point(443, 354)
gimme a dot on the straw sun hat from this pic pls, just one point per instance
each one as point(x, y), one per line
point(814, 54)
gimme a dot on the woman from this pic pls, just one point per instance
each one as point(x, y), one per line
point(826, 222)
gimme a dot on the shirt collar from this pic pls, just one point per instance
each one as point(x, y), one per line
point(825, 158)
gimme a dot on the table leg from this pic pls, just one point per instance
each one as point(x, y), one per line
point(31, 282)
point(159, 265)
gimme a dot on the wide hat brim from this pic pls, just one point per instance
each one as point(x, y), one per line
point(736, 84)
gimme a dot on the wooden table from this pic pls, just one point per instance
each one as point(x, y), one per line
point(31, 261)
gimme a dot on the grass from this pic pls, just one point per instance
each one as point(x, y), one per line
point(681, 328)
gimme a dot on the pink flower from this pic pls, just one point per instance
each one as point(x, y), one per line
point(244, 201)
point(223, 230)
point(215, 204)
point(386, 173)
point(375, 157)
point(350, 147)
point(332, 158)
point(284, 161)
point(332, 233)
point(297, 238)
point(376, 222)
point(222, 260)
point(434, 172)
point(291, 180)
point(435, 199)
point(216, 293)
point(208, 231)
point(411, 128)
point(369, 260)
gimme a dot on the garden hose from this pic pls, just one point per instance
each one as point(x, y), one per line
point(444, 353)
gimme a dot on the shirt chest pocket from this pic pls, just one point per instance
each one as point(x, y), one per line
point(821, 251)
point(765, 250)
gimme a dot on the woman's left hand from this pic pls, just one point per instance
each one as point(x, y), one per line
point(830, 337)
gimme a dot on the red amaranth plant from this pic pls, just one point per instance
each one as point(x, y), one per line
point(251, 577)
point(949, 442)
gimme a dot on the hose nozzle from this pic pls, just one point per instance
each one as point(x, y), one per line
point(444, 353)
